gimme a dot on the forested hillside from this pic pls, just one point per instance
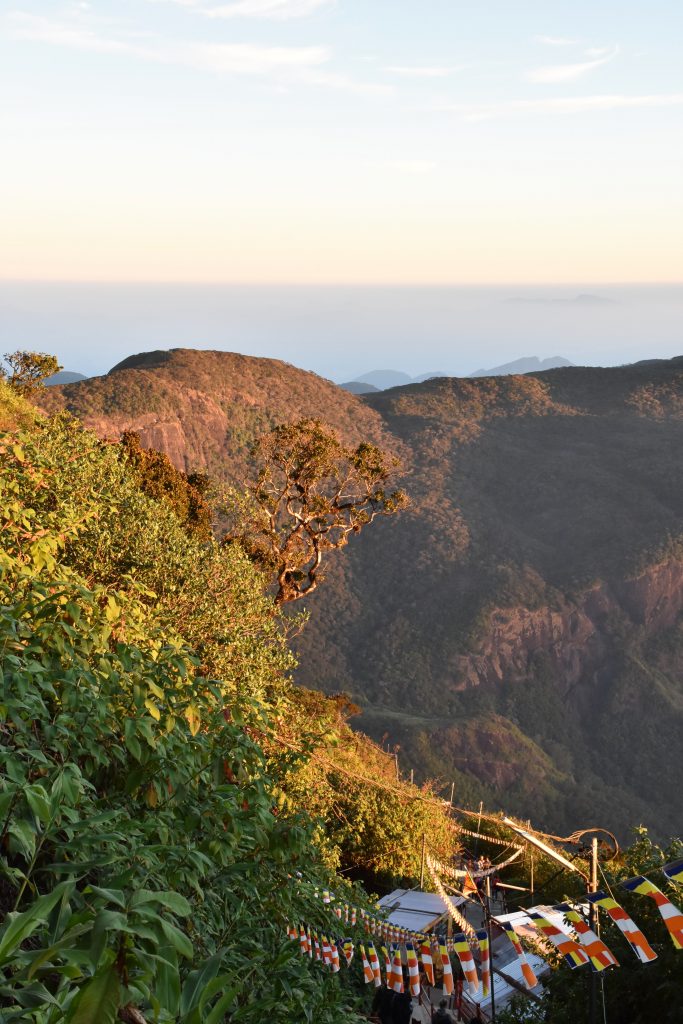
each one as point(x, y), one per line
point(204, 409)
point(518, 630)
point(170, 802)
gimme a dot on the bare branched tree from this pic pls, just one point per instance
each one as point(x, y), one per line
point(310, 493)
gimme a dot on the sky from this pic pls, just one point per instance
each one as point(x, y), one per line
point(402, 142)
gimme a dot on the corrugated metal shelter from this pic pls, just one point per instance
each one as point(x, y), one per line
point(416, 910)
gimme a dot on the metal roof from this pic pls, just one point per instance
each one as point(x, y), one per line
point(414, 909)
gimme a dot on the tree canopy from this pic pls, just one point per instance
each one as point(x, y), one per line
point(310, 494)
point(25, 371)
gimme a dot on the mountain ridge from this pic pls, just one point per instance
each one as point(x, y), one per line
point(531, 599)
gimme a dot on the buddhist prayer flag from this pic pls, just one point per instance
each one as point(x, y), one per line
point(327, 952)
point(671, 915)
point(674, 871)
point(292, 933)
point(427, 962)
point(626, 926)
point(600, 956)
point(395, 981)
point(334, 950)
point(367, 969)
point(413, 969)
point(374, 964)
point(447, 969)
point(347, 947)
point(469, 885)
point(484, 962)
point(303, 940)
point(529, 976)
point(316, 944)
point(469, 969)
point(570, 950)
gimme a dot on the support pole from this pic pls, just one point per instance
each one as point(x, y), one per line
point(594, 922)
point(488, 929)
point(422, 862)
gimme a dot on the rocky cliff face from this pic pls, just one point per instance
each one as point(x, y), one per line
point(572, 635)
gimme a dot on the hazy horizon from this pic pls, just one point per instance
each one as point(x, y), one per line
point(344, 331)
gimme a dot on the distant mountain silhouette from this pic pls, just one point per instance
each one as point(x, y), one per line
point(422, 377)
point(64, 377)
point(382, 380)
point(527, 364)
point(359, 387)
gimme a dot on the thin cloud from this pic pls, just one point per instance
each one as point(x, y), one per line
point(555, 41)
point(276, 10)
point(343, 83)
point(554, 73)
point(423, 72)
point(562, 105)
point(222, 58)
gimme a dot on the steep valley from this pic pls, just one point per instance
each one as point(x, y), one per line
point(517, 632)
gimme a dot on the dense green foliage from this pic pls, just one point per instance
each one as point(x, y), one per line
point(161, 780)
point(158, 477)
point(144, 858)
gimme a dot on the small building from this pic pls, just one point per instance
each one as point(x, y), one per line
point(416, 910)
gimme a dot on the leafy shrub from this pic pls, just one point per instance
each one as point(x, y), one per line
point(144, 862)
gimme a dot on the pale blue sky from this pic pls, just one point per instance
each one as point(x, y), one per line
point(342, 140)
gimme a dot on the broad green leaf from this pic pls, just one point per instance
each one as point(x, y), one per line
point(167, 986)
point(153, 709)
point(115, 896)
point(178, 939)
point(25, 835)
point(39, 802)
point(193, 718)
point(18, 927)
point(173, 900)
point(99, 999)
point(197, 982)
point(217, 1013)
point(66, 940)
point(215, 986)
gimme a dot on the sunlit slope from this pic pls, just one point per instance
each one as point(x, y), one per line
point(205, 408)
point(536, 585)
point(534, 589)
